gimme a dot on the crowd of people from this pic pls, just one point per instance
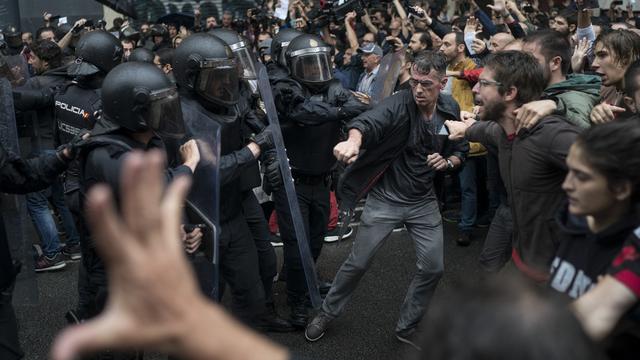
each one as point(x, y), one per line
point(155, 146)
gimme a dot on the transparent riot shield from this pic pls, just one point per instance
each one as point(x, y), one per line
point(204, 197)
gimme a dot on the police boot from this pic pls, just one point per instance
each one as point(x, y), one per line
point(270, 321)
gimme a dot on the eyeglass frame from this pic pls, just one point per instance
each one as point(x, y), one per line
point(483, 83)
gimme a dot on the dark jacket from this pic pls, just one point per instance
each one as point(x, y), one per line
point(385, 133)
point(583, 256)
point(533, 168)
point(20, 177)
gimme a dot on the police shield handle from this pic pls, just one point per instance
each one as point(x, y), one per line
point(347, 151)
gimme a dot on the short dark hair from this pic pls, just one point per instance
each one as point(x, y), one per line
point(520, 70)
point(43, 29)
point(517, 312)
point(570, 15)
point(425, 38)
point(129, 41)
point(48, 51)
point(165, 56)
point(552, 44)
point(610, 149)
point(623, 44)
point(429, 60)
point(459, 36)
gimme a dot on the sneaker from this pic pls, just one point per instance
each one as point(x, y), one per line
point(408, 337)
point(276, 240)
point(316, 328)
point(46, 263)
point(464, 239)
point(334, 235)
point(451, 216)
point(484, 221)
point(299, 315)
point(72, 252)
point(399, 227)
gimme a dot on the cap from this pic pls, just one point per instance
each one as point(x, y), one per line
point(265, 47)
point(371, 49)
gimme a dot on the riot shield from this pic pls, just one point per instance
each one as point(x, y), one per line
point(303, 243)
point(203, 199)
point(385, 81)
point(8, 129)
point(13, 207)
point(18, 69)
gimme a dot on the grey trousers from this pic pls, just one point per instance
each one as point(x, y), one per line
point(424, 225)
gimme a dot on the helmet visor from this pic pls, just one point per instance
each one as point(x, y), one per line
point(164, 114)
point(218, 82)
point(246, 59)
point(311, 68)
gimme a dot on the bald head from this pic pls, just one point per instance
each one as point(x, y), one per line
point(515, 45)
point(499, 41)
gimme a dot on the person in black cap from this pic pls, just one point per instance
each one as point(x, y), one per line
point(142, 55)
point(312, 107)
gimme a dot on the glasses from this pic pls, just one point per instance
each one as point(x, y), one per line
point(425, 83)
point(484, 83)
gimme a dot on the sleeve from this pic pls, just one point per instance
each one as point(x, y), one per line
point(378, 121)
point(458, 148)
point(484, 132)
point(440, 29)
point(232, 165)
point(468, 41)
point(488, 25)
point(24, 176)
point(626, 266)
point(516, 30)
point(473, 75)
point(561, 140)
point(578, 112)
point(301, 110)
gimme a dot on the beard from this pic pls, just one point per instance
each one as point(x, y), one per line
point(493, 111)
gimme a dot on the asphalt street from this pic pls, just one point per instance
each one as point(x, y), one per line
point(364, 332)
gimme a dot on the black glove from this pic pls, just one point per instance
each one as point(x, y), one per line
point(272, 176)
point(73, 146)
point(265, 139)
point(291, 96)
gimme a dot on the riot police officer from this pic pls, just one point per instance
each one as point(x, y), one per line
point(277, 67)
point(207, 74)
point(250, 177)
point(77, 106)
point(140, 107)
point(312, 108)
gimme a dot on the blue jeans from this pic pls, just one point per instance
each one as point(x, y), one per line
point(38, 207)
point(378, 219)
point(469, 192)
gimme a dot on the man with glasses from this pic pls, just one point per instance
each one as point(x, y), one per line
point(405, 149)
point(532, 161)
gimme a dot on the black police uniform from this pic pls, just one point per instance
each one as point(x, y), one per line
point(20, 177)
point(312, 117)
point(125, 111)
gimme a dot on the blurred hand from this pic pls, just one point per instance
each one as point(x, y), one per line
point(190, 154)
point(478, 46)
point(191, 240)
point(362, 97)
point(528, 115)
point(472, 25)
point(346, 151)
point(579, 54)
point(79, 24)
point(604, 113)
point(46, 16)
point(436, 162)
point(498, 6)
point(457, 129)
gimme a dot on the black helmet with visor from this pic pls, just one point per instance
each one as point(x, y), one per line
point(309, 60)
point(241, 49)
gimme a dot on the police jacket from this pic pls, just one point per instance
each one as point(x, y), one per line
point(532, 166)
point(312, 123)
point(385, 133)
point(19, 177)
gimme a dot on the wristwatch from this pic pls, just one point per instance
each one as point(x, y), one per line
point(449, 164)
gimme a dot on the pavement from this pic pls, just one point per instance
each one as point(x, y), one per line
point(365, 331)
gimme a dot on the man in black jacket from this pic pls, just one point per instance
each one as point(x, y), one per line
point(20, 176)
point(402, 151)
